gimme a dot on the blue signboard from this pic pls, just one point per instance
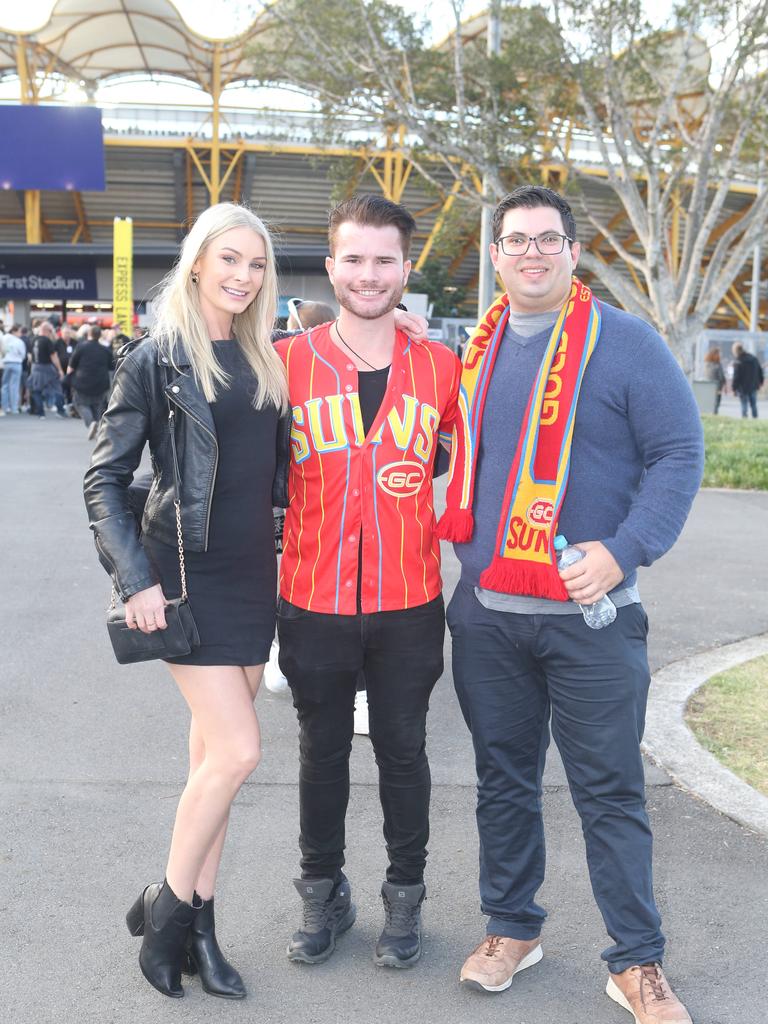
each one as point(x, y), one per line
point(52, 148)
point(43, 280)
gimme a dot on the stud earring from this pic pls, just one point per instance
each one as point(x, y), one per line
point(195, 278)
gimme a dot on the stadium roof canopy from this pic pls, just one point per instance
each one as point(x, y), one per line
point(90, 41)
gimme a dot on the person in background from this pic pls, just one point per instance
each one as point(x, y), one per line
point(306, 313)
point(302, 314)
point(14, 353)
point(89, 372)
point(47, 373)
point(578, 421)
point(747, 379)
point(68, 342)
point(26, 399)
point(716, 373)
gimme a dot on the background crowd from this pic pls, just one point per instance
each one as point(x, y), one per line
point(52, 367)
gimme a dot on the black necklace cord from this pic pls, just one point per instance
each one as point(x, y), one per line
point(354, 353)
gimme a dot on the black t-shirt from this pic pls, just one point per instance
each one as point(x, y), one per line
point(42, 349)
point(371, 387)
point(91, 362)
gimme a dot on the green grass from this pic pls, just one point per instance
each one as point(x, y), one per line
point(729, 717)
point(736, 453)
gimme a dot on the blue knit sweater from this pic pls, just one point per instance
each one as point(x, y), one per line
point(637, 454)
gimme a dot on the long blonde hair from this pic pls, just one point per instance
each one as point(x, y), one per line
point(179, 316)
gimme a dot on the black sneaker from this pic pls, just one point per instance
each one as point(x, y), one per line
point(399, 944)
point(328, 911)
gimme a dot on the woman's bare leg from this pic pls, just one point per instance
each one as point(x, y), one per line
point(221, 701)
point(206, 880)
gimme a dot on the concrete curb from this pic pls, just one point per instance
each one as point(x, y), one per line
point(670, 743)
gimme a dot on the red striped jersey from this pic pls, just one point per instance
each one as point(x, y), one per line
point(343, 483)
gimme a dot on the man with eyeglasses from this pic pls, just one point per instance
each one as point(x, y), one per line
point(575, 419)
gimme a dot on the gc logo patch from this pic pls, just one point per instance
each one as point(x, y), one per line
point(401, 479)
point(540, 512)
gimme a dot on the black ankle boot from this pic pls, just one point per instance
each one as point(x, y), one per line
point(217, 976)
point(163, 919)
point(399, 944)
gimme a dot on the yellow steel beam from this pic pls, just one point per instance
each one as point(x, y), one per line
point(237, 186)
point(234, 161)
point(215, 184)
point(458, 259)
point(32, 217)
point(739, 300)
point(196, 161)
point(188, 183)
point(744, 318)
point(32, 213)
point(26, 75)
point(437, 227)
point(401, 171)
point(597, 240)
point(381, 180)
point(636, 278)
point(83, 231)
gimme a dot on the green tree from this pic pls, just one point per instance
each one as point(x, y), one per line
point(676, 114)
point(671, 115)
point(446, 297)
point(369, 66)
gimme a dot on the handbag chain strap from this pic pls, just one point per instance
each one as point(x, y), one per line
point(177, 500)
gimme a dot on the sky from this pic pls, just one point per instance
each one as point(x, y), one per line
point(218, 20)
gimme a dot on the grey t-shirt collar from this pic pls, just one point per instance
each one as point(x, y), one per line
point(525, 325)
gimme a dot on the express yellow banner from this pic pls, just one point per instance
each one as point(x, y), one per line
point(122, 275)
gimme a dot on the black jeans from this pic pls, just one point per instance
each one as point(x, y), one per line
point(90, 407)
point(401, 654)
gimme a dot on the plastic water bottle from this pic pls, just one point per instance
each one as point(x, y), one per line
point(602, 612)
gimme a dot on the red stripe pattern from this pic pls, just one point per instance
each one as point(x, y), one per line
point(343, 484)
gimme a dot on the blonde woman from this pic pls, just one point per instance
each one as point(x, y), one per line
point(209, 355)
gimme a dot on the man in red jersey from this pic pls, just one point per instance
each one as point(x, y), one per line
point(360, 584)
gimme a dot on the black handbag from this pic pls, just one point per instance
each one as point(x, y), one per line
point(180, 637)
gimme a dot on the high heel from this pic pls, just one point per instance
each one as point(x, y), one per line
point(163, 919)
point(204, 956)
point(135, 917)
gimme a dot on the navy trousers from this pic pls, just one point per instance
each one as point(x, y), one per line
point(512, 674)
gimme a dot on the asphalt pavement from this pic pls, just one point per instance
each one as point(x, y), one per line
point(92, 760)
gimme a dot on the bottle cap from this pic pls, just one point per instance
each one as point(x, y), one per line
point(560, 542)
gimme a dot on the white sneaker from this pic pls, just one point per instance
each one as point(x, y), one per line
point(361, 713)
point(274, 680)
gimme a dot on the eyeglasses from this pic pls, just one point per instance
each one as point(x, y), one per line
point(548, 243)
point(293, 310)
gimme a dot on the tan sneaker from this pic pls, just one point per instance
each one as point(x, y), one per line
point(645, 992)
point(495, 962)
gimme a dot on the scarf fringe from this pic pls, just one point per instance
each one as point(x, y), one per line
point(457, 525)
point(533, 579)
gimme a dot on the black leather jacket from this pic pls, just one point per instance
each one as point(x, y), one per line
point(138, 414)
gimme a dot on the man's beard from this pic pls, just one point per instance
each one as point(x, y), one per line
point(346, 299)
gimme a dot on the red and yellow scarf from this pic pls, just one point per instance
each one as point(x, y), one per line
point(523, 561)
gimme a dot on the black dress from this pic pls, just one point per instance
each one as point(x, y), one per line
point(232, 586)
